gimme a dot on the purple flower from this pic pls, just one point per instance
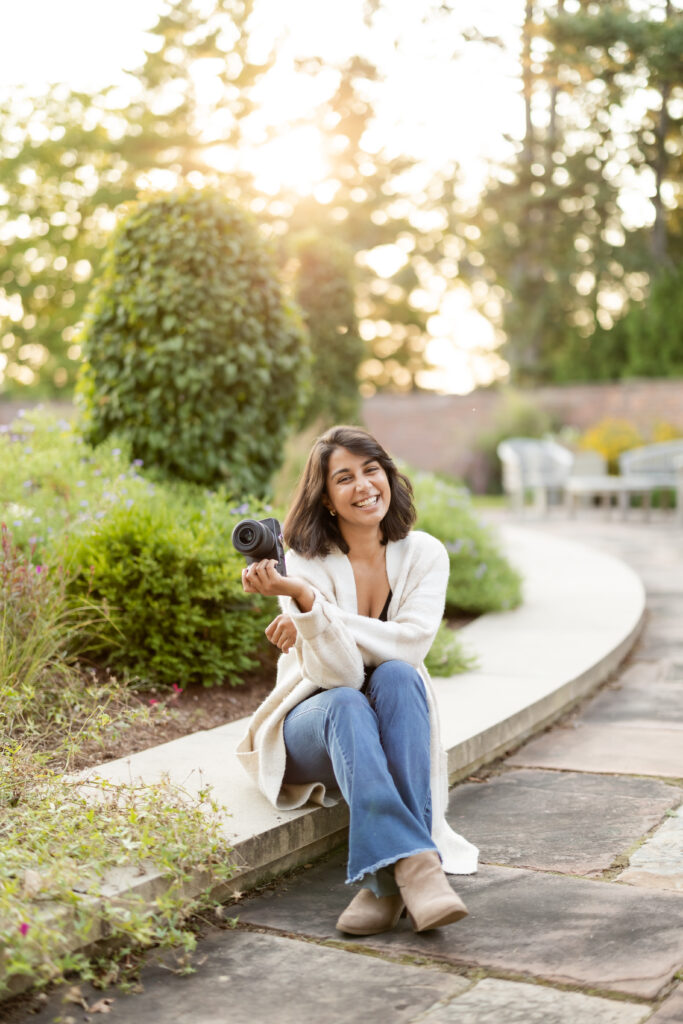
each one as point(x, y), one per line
point(39, 568)
point(241, 510)
point(454, 546)
point(23, 927)
point(116, 451)
point(130, 503)
point(138, 462)
point(480, 570)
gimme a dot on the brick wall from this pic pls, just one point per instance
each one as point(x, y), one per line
point(438, 432)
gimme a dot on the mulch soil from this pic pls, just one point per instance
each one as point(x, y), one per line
point(179, 713)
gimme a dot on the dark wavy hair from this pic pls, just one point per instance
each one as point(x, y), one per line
point(309, 529)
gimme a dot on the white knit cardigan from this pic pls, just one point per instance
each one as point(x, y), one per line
point(333, 647)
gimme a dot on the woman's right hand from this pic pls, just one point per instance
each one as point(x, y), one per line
point(263, 578)
point(282, 633)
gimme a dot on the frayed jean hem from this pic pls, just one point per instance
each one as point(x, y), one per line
point(368, 875)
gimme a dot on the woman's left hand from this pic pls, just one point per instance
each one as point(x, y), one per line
point(282, 633)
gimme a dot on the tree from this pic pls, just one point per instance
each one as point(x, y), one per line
point(193, 354)
point(68, 160)
point(325, 291)
point(370, 204)
point(554, 235)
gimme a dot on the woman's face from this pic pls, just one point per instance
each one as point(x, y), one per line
point(357, 488)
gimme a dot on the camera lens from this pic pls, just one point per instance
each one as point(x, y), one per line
point(253, 539)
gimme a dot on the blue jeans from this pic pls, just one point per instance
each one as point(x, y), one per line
point(375, 749)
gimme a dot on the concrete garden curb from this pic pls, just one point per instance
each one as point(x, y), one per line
point(582, 613)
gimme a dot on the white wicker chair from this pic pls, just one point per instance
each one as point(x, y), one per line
point(662, 463)
point(533, 465)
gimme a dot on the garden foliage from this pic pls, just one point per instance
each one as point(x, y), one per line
point(167, 573)
point(153, 557)
point(192, 352)
point(154, 561)
point(46, 702)
point(57, 840)
point(325, 292)
point(481, 578)
point(611, 437)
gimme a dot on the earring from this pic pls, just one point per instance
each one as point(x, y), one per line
point(332, 512)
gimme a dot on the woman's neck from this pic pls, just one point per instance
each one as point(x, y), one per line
point(364, 545)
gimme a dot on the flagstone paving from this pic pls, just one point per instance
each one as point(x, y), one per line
point(558, 928)
point(508, 1002)
point(671, 1011)
point(619, 749)
point(531, 818)
point(659, 862)
point(253, 979)
point(647, 703)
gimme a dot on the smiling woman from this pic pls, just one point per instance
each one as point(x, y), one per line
point(353, 709)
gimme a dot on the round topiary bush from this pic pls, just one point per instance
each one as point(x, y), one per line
point(193, 354)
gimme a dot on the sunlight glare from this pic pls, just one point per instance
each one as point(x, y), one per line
point(384, 260)
point(294, 162)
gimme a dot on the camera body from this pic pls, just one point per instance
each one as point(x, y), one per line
point(257, 539)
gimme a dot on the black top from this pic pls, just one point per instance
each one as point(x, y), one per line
point(382, 618)
point(383, 614)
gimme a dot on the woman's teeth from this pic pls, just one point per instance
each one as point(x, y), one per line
point(366, 502)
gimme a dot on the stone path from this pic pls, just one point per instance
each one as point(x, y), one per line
point(576, 915)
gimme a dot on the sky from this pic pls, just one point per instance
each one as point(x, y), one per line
point(439, 101)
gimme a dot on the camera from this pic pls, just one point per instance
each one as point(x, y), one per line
point(257, 539)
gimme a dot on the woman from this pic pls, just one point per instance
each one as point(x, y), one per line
point(352, 708)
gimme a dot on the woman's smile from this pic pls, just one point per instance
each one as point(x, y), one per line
point(358, 489)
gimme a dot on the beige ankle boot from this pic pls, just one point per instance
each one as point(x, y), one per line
point(425, 890)
point(368, 914)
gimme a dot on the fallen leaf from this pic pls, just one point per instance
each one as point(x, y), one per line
point(33, 882)
point(74, 995)
point(101, 1006)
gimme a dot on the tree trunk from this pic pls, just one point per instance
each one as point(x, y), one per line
point(659, 233)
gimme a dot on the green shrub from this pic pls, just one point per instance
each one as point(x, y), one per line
point(192, 352)
point(447, 655)
point(165, 570)
point(325, 292)
point(154, 557)
point(481, 578)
